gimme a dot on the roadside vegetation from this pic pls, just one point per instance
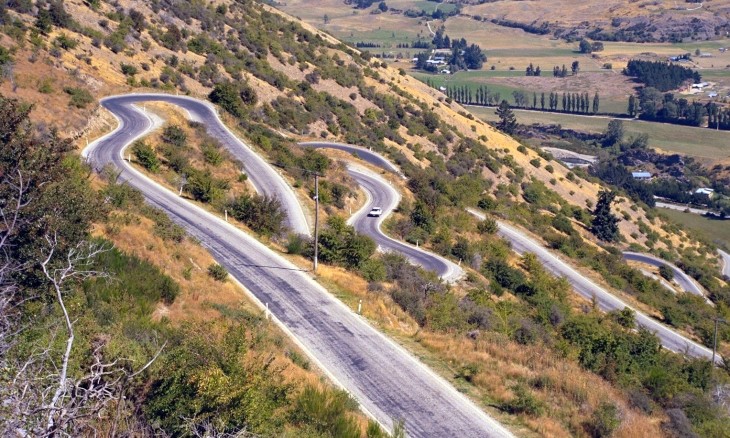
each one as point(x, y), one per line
point(87, 344)
point(303, 85)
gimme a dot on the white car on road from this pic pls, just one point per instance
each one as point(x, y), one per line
point(376, 212)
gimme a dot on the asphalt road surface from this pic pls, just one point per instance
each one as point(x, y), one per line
point(604, 299)
point(264, 178)
point(382, 194)
point(360, 152)
point(687, 283)
point(388, 382)
point(725, 262)
point(584, 286)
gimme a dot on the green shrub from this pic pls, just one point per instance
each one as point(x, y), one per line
point(487, 203)
point(605, 421)
point(212, 153)
point(625, 317)
point(488, 226)
point(297, 244)
point(561, 223)
point(261, 213)
point(339, 244)
point(468, 372)
point(203, 187)
point(327, 412)
point(523, 403)
point(169, 290)
point(233, 98)
point(373, 269)
point(174, 135)
point(80, 97)
point(169, 230)
point(46, 86)
point(145, 155)
point(666, 272)
point(5, 56)
point(65, 42)
point(299, 360)
point(535, 162)
point(217, 272)
point(128, 69)
point(137, 284)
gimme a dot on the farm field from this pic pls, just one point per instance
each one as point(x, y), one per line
point(613, 90)
point(706, 144)
point(715, 230)
point(509, 51)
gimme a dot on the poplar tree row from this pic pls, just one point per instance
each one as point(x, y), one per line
point(577, 103)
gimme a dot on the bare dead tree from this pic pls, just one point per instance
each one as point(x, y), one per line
point(76, 266)
point(206, 429)
point(42, 399)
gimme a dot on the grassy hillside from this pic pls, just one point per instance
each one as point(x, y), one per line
point(278, 80)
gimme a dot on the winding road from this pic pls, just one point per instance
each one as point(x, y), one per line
point(725, 262)
point(687, 283)
point(366, 155)
point(264, 178)
point(387, 381)
point(584, 286)
point(590, 290)
point(382, 194)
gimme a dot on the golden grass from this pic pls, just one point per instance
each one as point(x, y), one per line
point(568, 393)
point(504, 362)
point(187, 264)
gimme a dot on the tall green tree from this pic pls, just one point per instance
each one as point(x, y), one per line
point(507, 120)
point(596, 103)
point(632, 108)
point(614, 133)
point(585, 46)
point(605, 223)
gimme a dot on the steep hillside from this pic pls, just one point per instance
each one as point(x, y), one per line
point(276, 81)
point(108, 52)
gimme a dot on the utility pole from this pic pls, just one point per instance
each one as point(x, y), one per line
point(316, 220)
point(316, 211)
point(714, 340)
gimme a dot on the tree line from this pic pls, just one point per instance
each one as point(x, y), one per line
point(653, 105)
point(367, 45)
point(558, 72)
point(663, 76)
point(577, 103)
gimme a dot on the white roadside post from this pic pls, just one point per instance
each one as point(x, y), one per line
point(316, 220)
